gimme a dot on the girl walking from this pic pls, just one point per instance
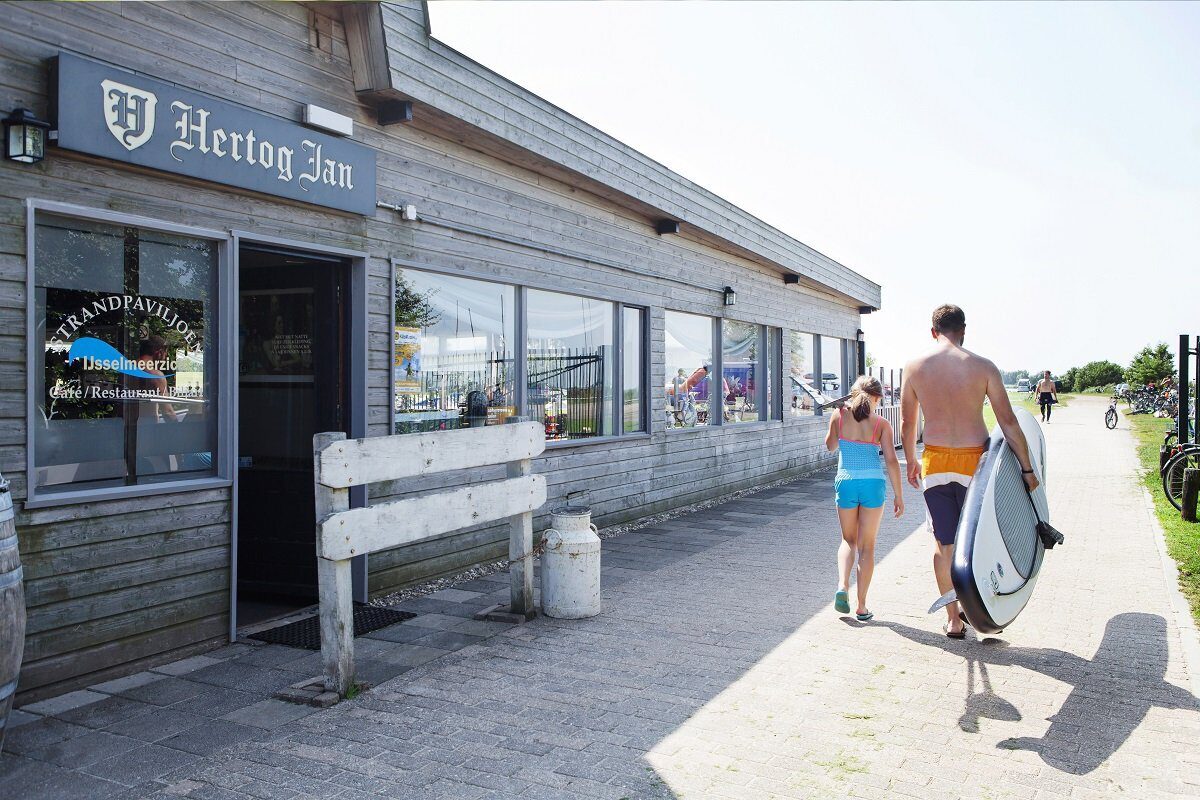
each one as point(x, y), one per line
point(858, 434)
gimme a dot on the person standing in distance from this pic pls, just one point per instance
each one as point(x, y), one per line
point(1047, 393)
point(948, 385)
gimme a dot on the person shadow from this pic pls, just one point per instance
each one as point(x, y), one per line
point(1110, 696)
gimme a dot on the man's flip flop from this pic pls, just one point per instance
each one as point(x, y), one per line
point(841, 602)
point(864, 617)
point(954, 634)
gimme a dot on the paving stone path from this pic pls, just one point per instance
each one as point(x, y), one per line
point(718, 670)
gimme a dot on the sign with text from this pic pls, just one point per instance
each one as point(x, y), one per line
point(108, 112)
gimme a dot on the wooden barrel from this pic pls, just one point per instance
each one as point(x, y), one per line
point(12, 608)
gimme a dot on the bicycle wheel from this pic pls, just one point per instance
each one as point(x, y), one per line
point(1172, 472)
point(1110, 419)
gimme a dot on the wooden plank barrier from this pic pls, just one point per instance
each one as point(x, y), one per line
point(343, 532)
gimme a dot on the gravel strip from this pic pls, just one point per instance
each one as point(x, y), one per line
point(437, 584)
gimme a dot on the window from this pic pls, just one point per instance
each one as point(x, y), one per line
point(741, 370)
point(126, 380)
point(570, 363)
point(850, 370)
point(633, 416)
point(833, 381)
point(689, 350)
point(457, 364)
point(774, 348)
point(452, 356)
point(803, 394)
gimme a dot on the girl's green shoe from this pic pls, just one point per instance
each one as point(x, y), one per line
point(841, 602)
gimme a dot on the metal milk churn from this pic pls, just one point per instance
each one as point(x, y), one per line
point(12, 608)
point(571, 565)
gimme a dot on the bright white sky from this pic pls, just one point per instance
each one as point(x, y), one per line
point(1037, 164)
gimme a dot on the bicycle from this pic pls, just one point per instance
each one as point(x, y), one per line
point(1110, 416)
point(1187, 457)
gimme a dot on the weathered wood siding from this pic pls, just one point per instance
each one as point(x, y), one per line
point(119, 583)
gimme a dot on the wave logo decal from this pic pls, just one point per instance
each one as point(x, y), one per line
point(97, 354)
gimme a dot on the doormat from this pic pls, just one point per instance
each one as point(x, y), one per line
point(306, 633)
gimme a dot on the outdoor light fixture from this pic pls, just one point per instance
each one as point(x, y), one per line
point(790, 278)
point(666, 226)
point(730, 296)
point(860, 335)
point(24, 137)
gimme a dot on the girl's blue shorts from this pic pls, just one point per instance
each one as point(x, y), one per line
point(854, 492)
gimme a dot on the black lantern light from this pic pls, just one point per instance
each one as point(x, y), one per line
point(730, 296)
point(25, 137)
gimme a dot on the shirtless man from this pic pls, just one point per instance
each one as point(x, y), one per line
point(949, 385)
point(1047, 393)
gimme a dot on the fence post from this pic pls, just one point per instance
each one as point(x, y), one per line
point(520, 550)
point(1191, 490)
point(334, 584)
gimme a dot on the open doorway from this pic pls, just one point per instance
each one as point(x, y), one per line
point(293, 379)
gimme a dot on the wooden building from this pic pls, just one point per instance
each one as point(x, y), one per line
point(256, 221)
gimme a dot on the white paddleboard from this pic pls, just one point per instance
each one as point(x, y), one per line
point(997, 551)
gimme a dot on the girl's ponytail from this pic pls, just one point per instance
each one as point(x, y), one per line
point(861, 393)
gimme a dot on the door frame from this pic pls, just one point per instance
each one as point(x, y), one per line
point(356, 418)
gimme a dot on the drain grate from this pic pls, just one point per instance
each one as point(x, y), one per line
point(306, 633)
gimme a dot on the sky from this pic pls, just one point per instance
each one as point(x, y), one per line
point(1037, 164)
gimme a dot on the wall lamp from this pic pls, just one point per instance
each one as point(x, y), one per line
point(25, 137)
point(790, 278)
point(664, 226)
point(730, 295)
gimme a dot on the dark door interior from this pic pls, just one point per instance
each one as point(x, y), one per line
point(292, 382)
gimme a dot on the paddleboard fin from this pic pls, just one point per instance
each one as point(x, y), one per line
point(1049, 535)
point(943, 601)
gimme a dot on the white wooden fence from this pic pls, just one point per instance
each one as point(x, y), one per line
point(343, 532)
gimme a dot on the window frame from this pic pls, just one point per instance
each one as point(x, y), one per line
point(225, 338)
point(521, 350)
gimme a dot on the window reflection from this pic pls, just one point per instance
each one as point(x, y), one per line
point(741, 371)
point(688, 361)
point(803, 393)
point(832, 367)
point(632, 370)
point(773, 362)
point(570, 363)
point(127, 376)
point(452, 354)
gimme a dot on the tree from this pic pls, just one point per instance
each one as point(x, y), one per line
point(1069, 379)
point(413, 309)
point(1152, 363)
point(1097, 373)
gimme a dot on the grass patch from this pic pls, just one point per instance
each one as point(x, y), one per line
point(843, 766)
point(1183, 538)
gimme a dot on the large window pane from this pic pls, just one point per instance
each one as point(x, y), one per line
point(126, 380)
point(632, 371)
point(832, 364)
point(689, 362)
point(741, 367)
point(802, 392)
point(453, 362)
point(570, 362)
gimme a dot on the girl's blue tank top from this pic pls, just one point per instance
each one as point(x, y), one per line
point(856, 458)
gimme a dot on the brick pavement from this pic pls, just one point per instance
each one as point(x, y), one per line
point(717, 670)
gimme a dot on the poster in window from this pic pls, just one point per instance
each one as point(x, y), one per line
point(276, 335)
point(406, 360)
